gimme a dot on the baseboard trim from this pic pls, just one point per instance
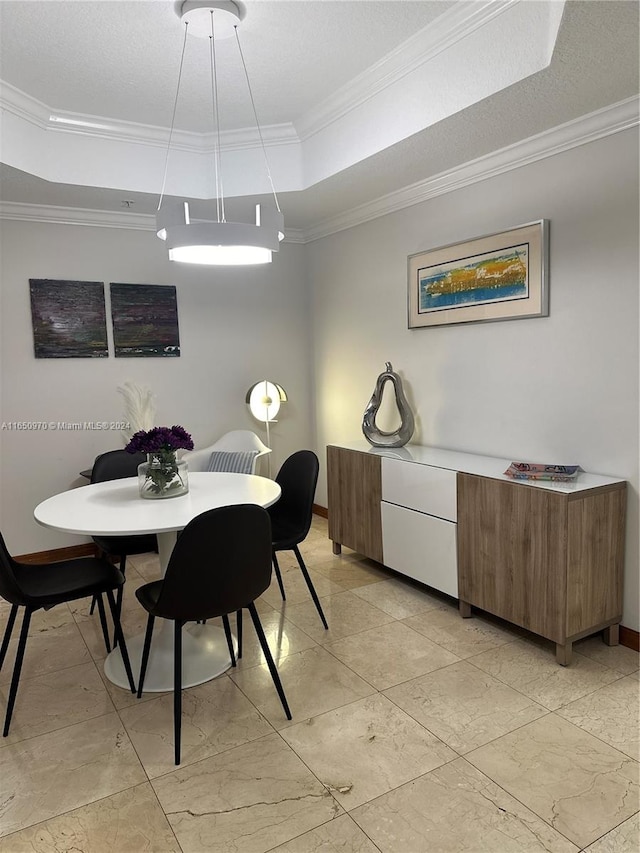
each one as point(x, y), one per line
point(629, 638)
point(320, 510)
point(57, 554)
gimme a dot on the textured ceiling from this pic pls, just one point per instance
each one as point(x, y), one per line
point(303, 51)
point(120, 59)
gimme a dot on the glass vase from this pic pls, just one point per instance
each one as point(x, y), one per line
point(163, 476)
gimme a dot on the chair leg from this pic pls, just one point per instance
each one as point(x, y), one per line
point(103, 622)
point(7, 633)
point(267, 653)
point(227, 633)
point(17, 668)
point(312, 589)
point(145, 653)
point(94, 600)
point(278, 575)
point(123, 565)
point(177, 687)
point(239, 632)
point(123, 646)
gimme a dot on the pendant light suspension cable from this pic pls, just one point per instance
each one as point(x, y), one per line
point(255, 115)
point(173, 117)
point(216, 119)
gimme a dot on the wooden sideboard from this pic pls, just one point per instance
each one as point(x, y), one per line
point(546, 556)
point(354, 495)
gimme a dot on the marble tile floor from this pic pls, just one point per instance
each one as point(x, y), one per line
point(413, 730)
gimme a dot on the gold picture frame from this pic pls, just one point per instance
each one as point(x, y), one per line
point(502, 276)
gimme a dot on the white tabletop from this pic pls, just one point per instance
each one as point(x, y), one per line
point(115, 508)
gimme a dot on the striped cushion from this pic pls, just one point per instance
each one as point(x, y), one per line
point(233, 461)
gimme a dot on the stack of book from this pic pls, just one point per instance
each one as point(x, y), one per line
point(531, 471)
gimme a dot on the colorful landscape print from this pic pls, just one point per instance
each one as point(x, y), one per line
point(480, 279)
point(145, 321)
point(68, 318)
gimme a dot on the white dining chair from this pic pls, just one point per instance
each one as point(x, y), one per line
point(238, 450)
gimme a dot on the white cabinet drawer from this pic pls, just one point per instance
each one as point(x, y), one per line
point(420, 487)
point(420, 546)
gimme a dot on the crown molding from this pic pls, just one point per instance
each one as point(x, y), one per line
point(237, 139)
point(589, 128)
point(24, 106)
point(454, 25)
point(19, 103)
point(52, 214)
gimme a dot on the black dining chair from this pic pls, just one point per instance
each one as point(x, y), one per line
point(291, 519)
point(220, 564)
point(115, 465)
point(291, 515)
point(43, 585)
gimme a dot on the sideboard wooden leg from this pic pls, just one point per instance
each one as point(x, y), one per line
point(336, 548)
point(563, 653)
point(465, 609)
point(611, 635)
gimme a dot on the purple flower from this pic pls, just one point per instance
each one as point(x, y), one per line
point(160, 440)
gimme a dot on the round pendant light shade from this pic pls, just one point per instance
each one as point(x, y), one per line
point(223, 243)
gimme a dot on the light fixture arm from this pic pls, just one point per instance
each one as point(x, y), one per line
point(215, 104)
point(255, 116)
point(173, 115)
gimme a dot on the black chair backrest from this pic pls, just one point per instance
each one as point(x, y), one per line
point(220, 563)
point(116, 464)
point(297, 478)
point(9, 586)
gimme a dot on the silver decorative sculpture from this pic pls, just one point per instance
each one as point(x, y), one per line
point(377, 437)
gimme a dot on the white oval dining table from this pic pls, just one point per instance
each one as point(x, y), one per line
point(115, 508)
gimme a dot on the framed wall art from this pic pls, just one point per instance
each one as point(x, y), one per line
point(68, 318)
point(496, 277)
point(145, 321)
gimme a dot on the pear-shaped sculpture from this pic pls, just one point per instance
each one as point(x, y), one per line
point(377, 437)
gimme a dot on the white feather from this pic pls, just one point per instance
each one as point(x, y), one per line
point(139, 407)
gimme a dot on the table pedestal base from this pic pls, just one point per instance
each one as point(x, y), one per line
point(205, 655)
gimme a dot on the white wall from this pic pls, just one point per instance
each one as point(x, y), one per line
point(556, 389)
point(236, 326)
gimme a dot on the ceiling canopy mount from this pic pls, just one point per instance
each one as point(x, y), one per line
point(197, 13)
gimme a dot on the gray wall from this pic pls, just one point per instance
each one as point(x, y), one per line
point(557, 389)
point(236, 326)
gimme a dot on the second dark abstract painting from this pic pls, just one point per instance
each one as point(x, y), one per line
point(145, 320)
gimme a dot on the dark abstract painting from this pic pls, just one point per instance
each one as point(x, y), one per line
point(69, 318)
point(145, 320)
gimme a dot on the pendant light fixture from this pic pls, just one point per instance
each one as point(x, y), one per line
point(219, 242)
